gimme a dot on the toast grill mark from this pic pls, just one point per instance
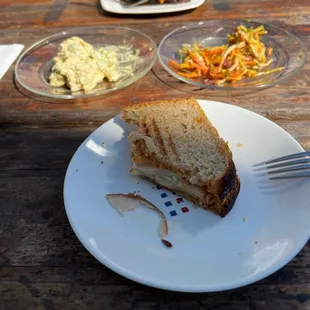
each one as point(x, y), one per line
point(159, 137)
point(143, 127)
point(172, 145)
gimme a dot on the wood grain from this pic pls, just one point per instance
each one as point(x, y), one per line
point(90, 12)
point(42, 263)
point(288, 100)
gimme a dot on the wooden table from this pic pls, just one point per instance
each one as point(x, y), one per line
point(42, 263)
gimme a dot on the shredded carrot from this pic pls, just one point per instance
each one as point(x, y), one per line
point(245, 55)
point(190, 75)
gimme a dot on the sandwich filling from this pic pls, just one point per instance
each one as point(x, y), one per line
point(167, 179)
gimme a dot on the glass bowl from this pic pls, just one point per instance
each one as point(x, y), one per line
point(288, 51)
point(34, 66)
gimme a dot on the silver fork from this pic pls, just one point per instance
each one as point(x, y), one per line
point(286, 167)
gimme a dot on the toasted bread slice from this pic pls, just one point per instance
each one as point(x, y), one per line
point(175, 137)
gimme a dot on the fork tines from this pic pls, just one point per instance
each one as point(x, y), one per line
point(290, 166)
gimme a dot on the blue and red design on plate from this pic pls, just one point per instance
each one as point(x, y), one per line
point(171, 200)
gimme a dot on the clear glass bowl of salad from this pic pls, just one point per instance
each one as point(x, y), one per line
point(233, 57)
point(85, 62)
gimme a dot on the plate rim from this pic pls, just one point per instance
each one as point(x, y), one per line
point(135, 10)
point(183, 288)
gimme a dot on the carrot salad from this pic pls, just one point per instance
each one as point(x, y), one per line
point(245, 55)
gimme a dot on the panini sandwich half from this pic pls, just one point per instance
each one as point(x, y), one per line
point(177, 147)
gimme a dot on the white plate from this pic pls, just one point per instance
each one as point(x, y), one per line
point(267, 227)
point(114, 6)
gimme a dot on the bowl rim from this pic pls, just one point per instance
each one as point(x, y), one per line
point(203, 23)
point(66, 33)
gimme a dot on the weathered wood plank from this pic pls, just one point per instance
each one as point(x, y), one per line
point(72, 296)
point(98, 274)
point(39, 149)
point(89, 12)
point(28, 149)
point(42, 263)
point(281, 102)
